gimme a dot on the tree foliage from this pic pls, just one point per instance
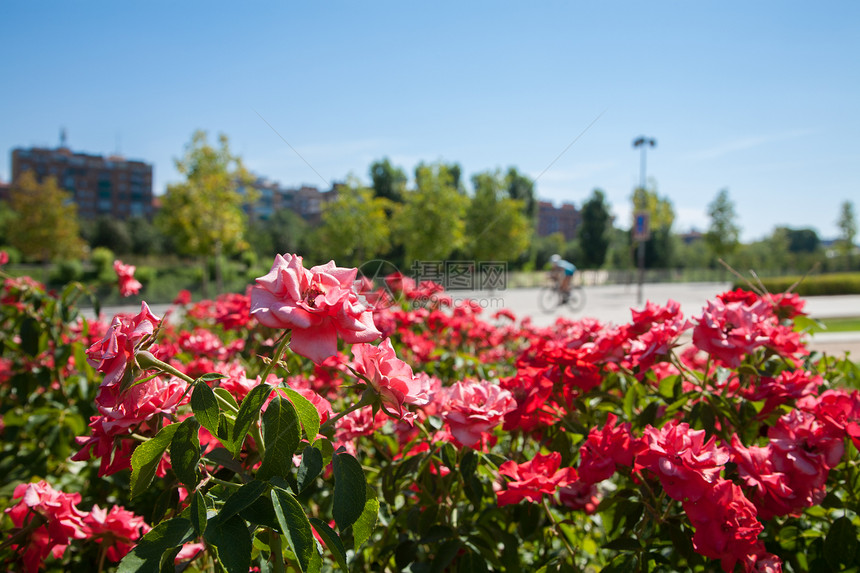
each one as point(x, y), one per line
point(723, 235)
point(847, 224)
point(354, 226)
point(522, 188)
point(203, 214)
point(496, 227)
point(594, 231)
point(430, 224)
point(659, 249)
point(389, 182)
point(284, 232)
point(45, 222)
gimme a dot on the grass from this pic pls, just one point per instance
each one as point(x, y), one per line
point(842, 324)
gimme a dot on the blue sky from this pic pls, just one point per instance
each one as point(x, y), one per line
point(760, 97)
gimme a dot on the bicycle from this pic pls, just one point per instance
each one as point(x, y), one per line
point(550, 297)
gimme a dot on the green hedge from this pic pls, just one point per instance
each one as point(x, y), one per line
point(815, 285)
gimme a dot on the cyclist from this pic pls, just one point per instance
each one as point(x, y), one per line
point(562, 272)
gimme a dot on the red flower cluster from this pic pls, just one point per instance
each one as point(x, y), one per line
point(604, 450)
point(534, 479)
point(59, 522)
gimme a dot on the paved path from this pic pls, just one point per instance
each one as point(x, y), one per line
point(612, 304)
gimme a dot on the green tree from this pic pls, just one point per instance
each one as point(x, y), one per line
point(284, 232)
point(203, 215)
point(389, 182)
point(496, 227)
point(723, 235)
point(594, 231)
point(146, 239)
point(847, 224)
point(45, 224)
point(430, 223)
point(522, 188)
point(802, 240)
point(659, 249)
point(354, 226)
point(109, 232)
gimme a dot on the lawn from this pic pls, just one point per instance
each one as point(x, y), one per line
point(841, 324)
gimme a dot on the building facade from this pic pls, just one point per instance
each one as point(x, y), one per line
point(306, 200)
point(565, 220)
point(110, 186)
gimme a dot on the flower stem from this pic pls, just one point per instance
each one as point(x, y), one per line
point(277, 553)
point(557, 528)
point(368, 398)
point(149, 362)
point(276, 357)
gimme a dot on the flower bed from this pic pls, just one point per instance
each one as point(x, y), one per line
point(318, 422)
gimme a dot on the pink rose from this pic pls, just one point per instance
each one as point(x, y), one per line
point(117, 527)
point(473, 409)
point(390, 377)
point(686, 465)
point(128, 285)
point(114, 354)
point(318, 305)
point(62, 522)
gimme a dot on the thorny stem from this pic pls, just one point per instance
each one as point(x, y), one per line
point(557, 528)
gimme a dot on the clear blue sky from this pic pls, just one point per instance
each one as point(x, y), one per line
point(761, 98)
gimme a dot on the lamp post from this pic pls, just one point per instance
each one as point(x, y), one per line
point(641, 219)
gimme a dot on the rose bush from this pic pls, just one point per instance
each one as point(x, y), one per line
point(301, 426)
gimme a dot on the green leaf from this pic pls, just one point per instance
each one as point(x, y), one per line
point(295, 525)
point(350, 490)
point(225, 459)
point(472, 562)
point(445, 555)
point(307, 413)
point(185, 452)
point(146, 456)
point(261, 513)
point(326, 449)
point(225, 428)
point(242, 498)
point(249, 413)
point(362, 529)
point(227, 396)
point(332, 541)
point(30, 336)
point(146, 555)
point(198, 513)
point(204, 404)
point(209, 377)
point(310, 468)
point(233, 542)
point(840, 545)
point(281, 435)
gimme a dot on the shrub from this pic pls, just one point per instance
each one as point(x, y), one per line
point(814, 285)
